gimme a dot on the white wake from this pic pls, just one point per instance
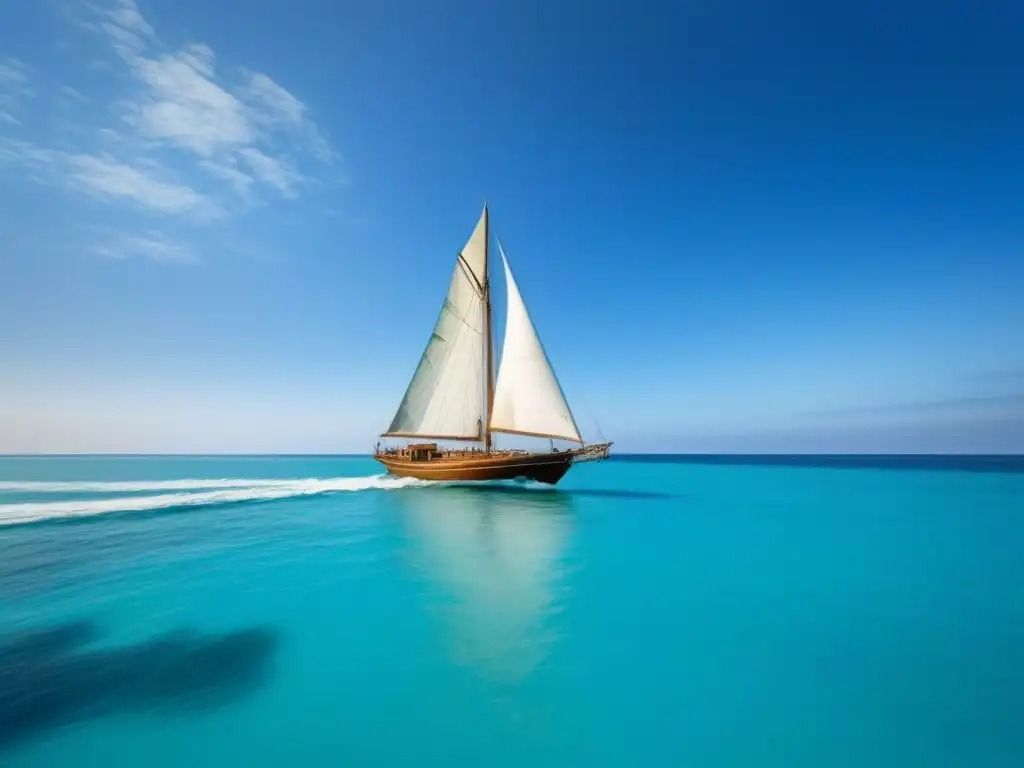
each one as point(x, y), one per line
point(121, 486)
point(227, 492)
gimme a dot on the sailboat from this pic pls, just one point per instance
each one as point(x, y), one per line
point(455, 396)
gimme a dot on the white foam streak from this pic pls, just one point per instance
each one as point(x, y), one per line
point(258, 490)
point(99, 486)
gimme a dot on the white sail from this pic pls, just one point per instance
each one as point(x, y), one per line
point(527, 397)
point(445, 398)
point(475, 251)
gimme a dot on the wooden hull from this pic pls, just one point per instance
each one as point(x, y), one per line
point(542, 467)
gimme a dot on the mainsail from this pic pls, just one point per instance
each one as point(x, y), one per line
point(452, 389)
point(446, 398)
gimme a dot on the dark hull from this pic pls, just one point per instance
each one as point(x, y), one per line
point(542, 467)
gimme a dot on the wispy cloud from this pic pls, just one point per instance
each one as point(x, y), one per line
point(276, 109)
point(227, 170)
point(183, 102)
point(106, 178)
point(190, 137)
point(1010, 375)
point(272, 171)
point(992, 434)
point(153, 246)
point(952, 405)
point(183, 105)
point(103, 177)
point(121, 20)
point(68, 94)
point(24, 153)
point(14, 89)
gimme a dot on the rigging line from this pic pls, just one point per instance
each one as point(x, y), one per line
point(462, 318)
point(593, 418)
point(470, 275)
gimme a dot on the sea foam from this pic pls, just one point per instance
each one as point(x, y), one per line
point(201, 493)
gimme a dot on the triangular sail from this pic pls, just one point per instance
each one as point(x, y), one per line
point(527, 397)
point(445, 399)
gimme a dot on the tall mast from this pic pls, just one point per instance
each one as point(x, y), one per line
point(489, 395)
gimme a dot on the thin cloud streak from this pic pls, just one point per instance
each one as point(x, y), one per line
point(272, 171)
point(105, 178)
point(1005, 401)
point(1010, 375)
point(14, 89)
point(1002, 434)
point(190, 141)
point(153, 246)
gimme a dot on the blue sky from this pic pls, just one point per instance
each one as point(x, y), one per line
point(739, 227)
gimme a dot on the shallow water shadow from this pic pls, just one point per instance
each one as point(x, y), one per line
point(34, 565)
point(622, 494)
point(566, 493)
point(48, 681)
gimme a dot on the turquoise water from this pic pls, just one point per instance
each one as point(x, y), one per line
point(646, 613)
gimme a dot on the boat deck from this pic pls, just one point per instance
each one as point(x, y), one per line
point(427, 462)
point(410, 454)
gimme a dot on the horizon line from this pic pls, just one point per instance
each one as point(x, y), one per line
point(698, 454)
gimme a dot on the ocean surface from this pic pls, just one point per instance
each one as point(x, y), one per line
point(650, 611)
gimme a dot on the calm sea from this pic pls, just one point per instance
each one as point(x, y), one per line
point(307, 611)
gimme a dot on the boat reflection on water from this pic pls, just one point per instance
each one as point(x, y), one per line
point(493, 556)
